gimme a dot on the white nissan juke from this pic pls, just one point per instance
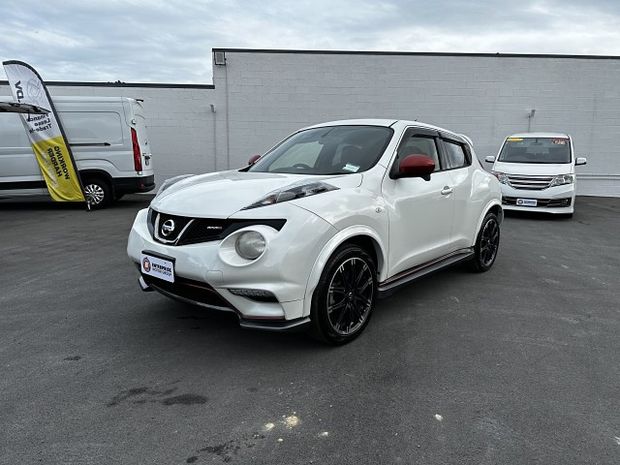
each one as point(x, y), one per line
point(309, 234)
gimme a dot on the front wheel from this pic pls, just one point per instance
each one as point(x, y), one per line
point(98, 193)
point(345, 296)
point(487, 244)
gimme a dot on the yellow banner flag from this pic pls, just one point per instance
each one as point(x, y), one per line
point(58, 171)
point(46, 135)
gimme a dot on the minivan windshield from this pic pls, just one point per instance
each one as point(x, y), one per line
point(536, 150)
point(327, 150)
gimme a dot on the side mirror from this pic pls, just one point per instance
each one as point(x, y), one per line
point(253, 159)
point(489, 159)
point(415, 166)
point(581, 161)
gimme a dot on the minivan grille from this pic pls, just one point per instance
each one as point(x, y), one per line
point(549, 203)
point(532, 183)
point(188, 230)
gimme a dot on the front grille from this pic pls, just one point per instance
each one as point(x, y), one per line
point(205, 230)
point(547, 203)
point(189, 230)
point(532, 183)
point(195, 291)
point(168, 228)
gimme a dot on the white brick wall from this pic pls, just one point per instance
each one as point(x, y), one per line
point(260, 98)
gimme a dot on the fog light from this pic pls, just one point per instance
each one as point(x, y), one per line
point(250, 245)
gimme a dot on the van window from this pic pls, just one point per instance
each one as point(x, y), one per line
point(83, 127)
point(12, 131)
point(535, 150)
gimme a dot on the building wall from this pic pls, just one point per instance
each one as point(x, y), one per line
point(262, 96)
point(179, 121)
point(269, 94)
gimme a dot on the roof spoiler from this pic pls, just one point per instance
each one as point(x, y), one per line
point(14, 107)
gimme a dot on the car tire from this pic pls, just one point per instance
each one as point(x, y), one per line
point(98, 193)
point(345, 296)
point(487, 244)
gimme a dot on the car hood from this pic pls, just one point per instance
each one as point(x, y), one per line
point(219, 195)
point(534, 169)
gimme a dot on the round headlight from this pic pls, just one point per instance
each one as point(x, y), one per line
point(250, 245)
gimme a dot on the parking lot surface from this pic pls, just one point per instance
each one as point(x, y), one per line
point(520, 365)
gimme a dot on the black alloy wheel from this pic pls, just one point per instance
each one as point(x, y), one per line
point(345, 296)
point(487, 244)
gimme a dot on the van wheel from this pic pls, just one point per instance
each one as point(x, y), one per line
point(98, 193)
point(487, 244)
point(345, 296)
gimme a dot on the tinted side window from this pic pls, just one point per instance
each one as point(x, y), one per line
point(413, 144)
point(455, 155)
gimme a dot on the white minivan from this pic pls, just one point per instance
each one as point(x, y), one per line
point(109, 142)
point(536, 171)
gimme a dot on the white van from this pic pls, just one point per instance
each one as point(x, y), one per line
point(537, 172)
point(109, 142)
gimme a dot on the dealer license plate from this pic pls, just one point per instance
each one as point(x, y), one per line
point(157, 266)
point(527, 202)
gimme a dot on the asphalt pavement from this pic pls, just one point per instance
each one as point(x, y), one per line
point(520, 365)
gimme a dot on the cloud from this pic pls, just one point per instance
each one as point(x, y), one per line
point(171, 41)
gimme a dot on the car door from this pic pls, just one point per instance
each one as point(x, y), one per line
point(457, 160)
point(420, 212)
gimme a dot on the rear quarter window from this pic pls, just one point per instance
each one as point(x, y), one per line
point(84, 127)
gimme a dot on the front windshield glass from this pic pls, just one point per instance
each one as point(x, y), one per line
point(536, 150)
point(327, 150)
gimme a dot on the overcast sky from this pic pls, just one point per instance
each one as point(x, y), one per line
point(171, 41)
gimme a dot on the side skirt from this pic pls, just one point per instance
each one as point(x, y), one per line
point(417, 272)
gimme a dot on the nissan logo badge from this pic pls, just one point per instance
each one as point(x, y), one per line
point(167, 228)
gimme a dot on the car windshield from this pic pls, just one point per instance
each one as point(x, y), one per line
point(327, 150)
point(536, 150)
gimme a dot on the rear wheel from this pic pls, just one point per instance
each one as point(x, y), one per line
point(487, 244)
point(98, 193)
point(345, 296)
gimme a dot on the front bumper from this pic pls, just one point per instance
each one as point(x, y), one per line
point(558, 199)
point(210, 299)
point(203, 278)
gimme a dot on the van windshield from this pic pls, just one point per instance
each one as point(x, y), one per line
point(536, 150)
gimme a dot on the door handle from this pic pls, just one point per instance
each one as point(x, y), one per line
point(446, 190)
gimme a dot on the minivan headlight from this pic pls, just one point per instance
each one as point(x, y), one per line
point(250, 245)
point(501, 177)
point(562, 179)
